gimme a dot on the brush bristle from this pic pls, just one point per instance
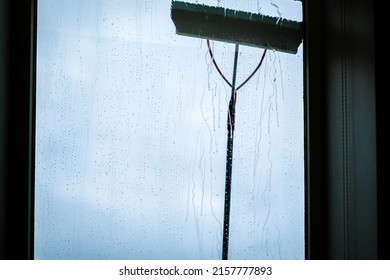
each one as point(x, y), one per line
point(216, 23)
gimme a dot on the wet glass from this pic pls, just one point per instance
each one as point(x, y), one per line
point(131, 137)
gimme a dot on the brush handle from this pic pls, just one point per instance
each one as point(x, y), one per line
point(229, 159)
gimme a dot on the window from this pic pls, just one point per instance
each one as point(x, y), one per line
point(131, 137)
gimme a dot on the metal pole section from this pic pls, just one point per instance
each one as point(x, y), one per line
point(229, 159)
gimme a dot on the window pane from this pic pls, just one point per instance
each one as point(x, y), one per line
point(131, 137)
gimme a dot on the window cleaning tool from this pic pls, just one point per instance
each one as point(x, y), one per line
point(239, 28)
point(220, 24)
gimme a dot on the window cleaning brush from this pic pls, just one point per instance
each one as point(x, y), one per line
point(238, 27)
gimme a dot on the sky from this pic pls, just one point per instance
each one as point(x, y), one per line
point(131, 137)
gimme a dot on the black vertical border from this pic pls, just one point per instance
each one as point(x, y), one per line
point(17, 94)
point(316, 198)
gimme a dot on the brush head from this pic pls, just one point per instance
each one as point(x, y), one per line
point(216, 23)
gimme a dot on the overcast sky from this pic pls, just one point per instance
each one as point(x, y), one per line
point(131, 137)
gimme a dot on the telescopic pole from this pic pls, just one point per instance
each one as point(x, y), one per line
point(229, 159)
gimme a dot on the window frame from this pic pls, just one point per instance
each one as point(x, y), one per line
point(17, 92)
point(17, 88)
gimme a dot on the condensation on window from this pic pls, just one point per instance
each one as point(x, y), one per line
point(131, 137)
